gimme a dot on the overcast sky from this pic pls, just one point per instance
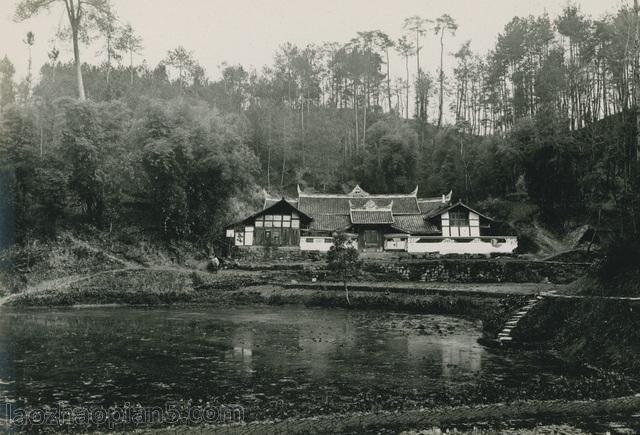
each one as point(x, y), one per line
point(249, 31)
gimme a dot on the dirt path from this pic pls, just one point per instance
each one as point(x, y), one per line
point(522, 412)
point(87, 246)
point(547, 241)
point(468, 289)
point(61, 283)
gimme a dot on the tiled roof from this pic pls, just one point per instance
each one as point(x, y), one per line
point(269, 201)
point(371, 216)
point(429, 207)
point(414, 224)
point(331, 212)
point(334, 204)
point(330, 222)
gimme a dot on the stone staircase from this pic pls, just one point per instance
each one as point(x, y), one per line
point(504, 337)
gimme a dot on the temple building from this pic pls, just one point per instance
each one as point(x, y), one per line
point(375, 223)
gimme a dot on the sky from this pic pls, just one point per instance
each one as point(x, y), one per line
point(249, 32)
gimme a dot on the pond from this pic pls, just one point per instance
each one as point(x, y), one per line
point(272, 361)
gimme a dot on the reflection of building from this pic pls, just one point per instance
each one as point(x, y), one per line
point(458, 354)
point(321, 349)
point(377, 223)
point(242, 343)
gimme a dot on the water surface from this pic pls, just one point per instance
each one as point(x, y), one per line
point(273, 361)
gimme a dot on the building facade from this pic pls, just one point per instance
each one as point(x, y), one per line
point(374, 223)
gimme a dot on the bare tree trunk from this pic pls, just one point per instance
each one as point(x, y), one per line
point(364, 127)
point(284, 150)
point(269, 155)
point(78, 65)
point(388, 81)
point(407, 86)
point(636, 77)
point(346, 291)
point(355, 108)
point(131, 67)
point(440, 103)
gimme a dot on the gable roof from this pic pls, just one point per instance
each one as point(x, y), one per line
point(271, 200)
point(459, 204)
point(275, 207)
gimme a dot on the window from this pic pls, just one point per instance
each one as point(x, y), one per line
point(328, 240)
point(310, 240)
point(459, 219)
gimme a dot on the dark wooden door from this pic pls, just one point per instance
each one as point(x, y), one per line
point(370, 240)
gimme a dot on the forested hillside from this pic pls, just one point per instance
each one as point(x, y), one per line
point(543, 124)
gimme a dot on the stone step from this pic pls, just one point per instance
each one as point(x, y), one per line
point(505, 339)
point(511, 323)
point(506, 331)
point(502, 334)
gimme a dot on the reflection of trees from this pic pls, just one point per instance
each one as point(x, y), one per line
point(7, 369)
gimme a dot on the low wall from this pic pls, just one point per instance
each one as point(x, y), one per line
point(274, 253)
point(478, 245)
point(477, 270)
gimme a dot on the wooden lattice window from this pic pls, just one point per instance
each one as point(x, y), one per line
point(459, 219)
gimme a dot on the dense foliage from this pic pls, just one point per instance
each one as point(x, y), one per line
point(547, 117)
point(166, 166)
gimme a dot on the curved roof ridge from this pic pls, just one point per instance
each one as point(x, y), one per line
point(349, 196)
point(371, 206)
point(357, 192)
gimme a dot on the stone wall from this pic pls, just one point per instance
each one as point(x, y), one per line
point(487, 270)
point(476, 270)
point(273, 253)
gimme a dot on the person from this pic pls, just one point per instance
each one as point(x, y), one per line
point(214, 263)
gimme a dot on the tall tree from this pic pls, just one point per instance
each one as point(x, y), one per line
point(7, 86)
point(418, 26)
point(405, 48)
point(183, 61)
point(385, 43)
point(80, 14)
point(29, 40)
point(130, 43)
point(108, 28)
point(444, 23)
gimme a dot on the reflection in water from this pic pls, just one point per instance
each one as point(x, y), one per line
point(461, 353)
point(310, 360)
point(242, 352)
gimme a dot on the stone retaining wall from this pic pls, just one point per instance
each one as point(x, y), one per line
point(464, 270)
point(477, 270)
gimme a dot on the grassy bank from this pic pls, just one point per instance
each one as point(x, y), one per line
point(136, 287)
point(597, 331)
point(491, 418)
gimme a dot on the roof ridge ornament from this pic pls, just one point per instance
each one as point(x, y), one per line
point(358, 191)
point(415, 192)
